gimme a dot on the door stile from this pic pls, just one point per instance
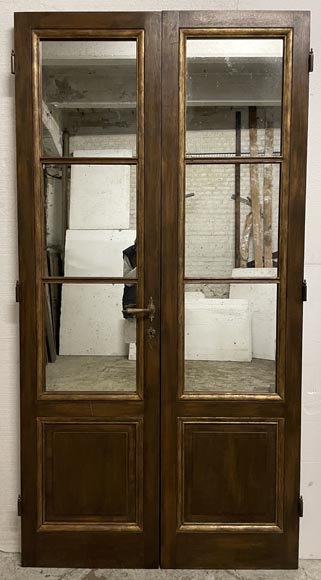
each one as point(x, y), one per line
point(170, 184)
point(295, 273)
point(152, 241)
point(27, 278)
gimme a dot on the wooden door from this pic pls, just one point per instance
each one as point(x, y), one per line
point(234, 152)
point(93, 154)
point(88, 110)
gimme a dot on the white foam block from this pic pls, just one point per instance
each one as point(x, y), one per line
point(91, 315)
point(217, 329)
point(96, 252)
point(262, 301)
point(99, 194)
point(91, 320)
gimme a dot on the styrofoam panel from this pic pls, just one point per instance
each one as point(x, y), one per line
point(310, 525)
point(99, 194)
point(130, 330)
point(312, 308)
point(96, 252)
point(262, 302)
point(217, 329)
point(192, 296)
point(311, 434)
point(91, 320)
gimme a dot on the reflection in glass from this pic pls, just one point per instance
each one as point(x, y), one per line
point(230, 338)
point(90, 345)
point(89, 97)
point(90, 219)
point(233, 96)
point(231, 221)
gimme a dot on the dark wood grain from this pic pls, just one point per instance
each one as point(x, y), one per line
point(169, 350)
point(270, 544)
point(83, 435)
point(27, 278)
point(295, 274)
point(176, 523)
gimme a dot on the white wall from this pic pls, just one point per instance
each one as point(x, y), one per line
point(9, 392)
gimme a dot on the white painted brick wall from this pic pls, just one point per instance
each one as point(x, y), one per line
point(310, 545)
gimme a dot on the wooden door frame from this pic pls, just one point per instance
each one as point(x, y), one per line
point(35, 552)
point(42, 546)
point(185, 549)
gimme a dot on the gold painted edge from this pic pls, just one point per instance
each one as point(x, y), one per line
point(279, 475)
point(287, 35)
point(42, 525)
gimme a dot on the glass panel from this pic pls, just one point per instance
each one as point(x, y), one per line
point(231, 220)
point(90, 220)
point(230, 338)
point(89, 99)
point(89, 344)
point(232, 86)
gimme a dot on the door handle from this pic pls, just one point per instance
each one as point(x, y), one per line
point(150, 310)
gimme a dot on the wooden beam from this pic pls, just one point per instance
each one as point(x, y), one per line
point(65, 186)
point(255, 192)
point(237, 228)
point(267, 191)
point(245, 242)
point(53, 129)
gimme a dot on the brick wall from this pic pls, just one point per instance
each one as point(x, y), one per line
point(210, 212)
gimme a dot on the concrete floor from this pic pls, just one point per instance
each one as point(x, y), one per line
point(116, 373)
point(11, 570)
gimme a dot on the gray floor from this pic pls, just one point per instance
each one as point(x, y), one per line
point(116, 373)
point(11, 570)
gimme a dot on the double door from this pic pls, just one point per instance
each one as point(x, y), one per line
point(161, 193)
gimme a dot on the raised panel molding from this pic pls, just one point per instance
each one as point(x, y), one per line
point(230, 474)
point(90, 474)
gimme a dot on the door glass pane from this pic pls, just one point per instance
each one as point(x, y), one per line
point(231, 220)
point(90, 343)
point(233, 96)
point(90, 220)
point(230, 338)
point(89, 103)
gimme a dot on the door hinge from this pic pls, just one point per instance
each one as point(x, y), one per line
point(18, 291)
point(304, 291)
point(13, 62)
point(301, 506)
point(19, 504)
point(311, 60)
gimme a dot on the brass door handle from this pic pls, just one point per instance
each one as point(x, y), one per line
point(150, 310)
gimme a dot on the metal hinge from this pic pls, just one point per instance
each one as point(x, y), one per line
point(301, 506)
point(19, 504)
point(311, 60)
point(304, 291)
point(18, 291)
point(13, 62)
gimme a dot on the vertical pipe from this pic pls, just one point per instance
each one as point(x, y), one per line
point(255, 191)
point(237, 228)
point(64, 190)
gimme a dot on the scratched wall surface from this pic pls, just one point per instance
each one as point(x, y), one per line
point(310, 545)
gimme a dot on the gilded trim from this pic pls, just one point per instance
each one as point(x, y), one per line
point(283, 160)
point(277, 526)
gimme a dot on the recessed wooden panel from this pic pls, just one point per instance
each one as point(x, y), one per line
point(91, 473)
point(229, 472)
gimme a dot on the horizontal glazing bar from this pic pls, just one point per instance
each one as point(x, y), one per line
point(89, 160)
point(232, 160)
point(87, 280)
point(83, 34)
point(232, 280)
